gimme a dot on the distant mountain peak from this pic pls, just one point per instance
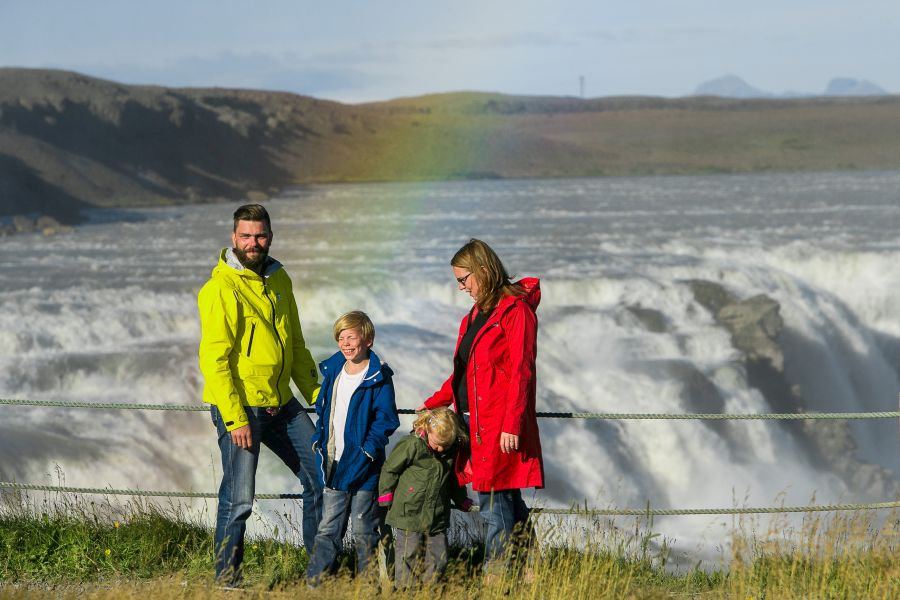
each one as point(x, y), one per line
point(847, 86)
point(732, 86)
point(729, 86)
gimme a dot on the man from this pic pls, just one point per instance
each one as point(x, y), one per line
point(251, 347)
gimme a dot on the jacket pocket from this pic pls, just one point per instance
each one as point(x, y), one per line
point(250, 343)
point(260, 347)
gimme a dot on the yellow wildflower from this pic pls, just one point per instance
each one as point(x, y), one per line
point(108, 552)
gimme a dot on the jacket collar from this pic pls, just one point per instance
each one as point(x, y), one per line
point(531, 297)
point(228, 260)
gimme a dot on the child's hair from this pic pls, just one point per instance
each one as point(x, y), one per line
point(443, 424)
point(357, 320)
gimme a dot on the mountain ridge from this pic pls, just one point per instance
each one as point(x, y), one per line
point(732, 86)
point(69, 141)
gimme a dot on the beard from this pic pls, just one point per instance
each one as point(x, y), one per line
point(252, 263)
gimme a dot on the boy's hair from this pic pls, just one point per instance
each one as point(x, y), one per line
point(252, 212)
point(357, 320)
point(443, 424)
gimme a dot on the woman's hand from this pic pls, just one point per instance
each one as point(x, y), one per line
point(508, 442)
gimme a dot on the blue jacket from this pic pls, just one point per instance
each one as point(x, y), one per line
point(371, 419)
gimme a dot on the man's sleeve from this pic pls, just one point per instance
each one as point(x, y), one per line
point(218, 316)
point(303, 367)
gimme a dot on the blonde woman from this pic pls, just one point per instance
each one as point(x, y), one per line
point(492, 386)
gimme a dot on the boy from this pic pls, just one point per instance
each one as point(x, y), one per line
point(357, 414)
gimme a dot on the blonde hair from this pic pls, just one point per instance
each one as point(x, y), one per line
point(482, 262)
point(443, 424)
point(358, 320)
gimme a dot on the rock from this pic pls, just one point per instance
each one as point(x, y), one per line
point(710, 295)
point(754, 323)
point(47, 225)
point(22, 224)
point(652, 319)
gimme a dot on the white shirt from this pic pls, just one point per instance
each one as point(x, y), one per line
point(345, 386)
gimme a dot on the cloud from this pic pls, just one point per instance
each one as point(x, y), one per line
point(253, 71)
point(527, 39)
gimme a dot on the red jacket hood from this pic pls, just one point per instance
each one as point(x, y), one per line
point(532, 286)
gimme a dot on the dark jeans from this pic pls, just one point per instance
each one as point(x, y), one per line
point(409, 566)
point(338, 507)
point(505, 515)
point(288, 434)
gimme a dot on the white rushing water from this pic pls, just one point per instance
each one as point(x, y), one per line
point(108, 314)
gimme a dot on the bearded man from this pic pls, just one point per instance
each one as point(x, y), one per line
point(251, 347)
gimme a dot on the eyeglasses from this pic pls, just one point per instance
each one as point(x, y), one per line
point(462, 280)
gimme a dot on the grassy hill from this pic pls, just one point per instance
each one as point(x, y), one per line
point(68, 141)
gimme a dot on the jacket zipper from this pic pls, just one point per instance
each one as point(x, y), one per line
point(474, 401)
point(250, 343)
point(280, 342)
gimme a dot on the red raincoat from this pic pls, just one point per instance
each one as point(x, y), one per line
point(500, 375)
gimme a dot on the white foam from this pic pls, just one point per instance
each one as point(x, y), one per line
point(108, 314)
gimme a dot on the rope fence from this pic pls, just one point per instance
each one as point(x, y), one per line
point(635, 512)
point(543, 511)
point(546, 415)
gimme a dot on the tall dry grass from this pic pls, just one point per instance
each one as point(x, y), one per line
point(82, 550)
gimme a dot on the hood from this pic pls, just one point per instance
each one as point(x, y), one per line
point(532, 287)
point(229, 263)
point(531, 297)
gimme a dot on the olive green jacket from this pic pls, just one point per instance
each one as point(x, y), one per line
point(418, 484)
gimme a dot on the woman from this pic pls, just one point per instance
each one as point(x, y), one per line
point(493, 387)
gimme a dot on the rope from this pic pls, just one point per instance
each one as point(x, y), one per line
point(656, 512)
point(126, 492)
point(720, 416)
point(624, 512)
point(548, 415)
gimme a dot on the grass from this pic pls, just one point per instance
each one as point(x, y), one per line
point(81, 549)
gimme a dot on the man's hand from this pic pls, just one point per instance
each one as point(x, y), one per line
point(242, 437)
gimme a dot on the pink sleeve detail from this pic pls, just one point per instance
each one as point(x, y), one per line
point(389, 497)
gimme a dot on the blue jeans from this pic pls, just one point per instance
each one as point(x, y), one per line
point(505, 514)
point(288, 434)
point(337, 510)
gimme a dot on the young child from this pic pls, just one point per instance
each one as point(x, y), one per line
point(417, 483)
point(357, 414)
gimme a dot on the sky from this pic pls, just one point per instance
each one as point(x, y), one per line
point(359, 51)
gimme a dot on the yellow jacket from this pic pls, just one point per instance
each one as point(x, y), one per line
point(251, 344)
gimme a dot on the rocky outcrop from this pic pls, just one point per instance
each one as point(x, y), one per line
point(651, 319)
point(755, 325)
